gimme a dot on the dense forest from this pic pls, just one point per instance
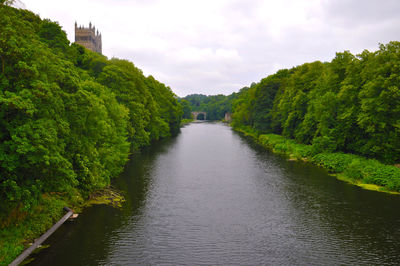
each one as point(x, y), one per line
point(69, 117)
point(343, 115)
point(351, 104)
point(215, 105)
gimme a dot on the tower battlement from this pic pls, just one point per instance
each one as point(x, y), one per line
point(88, 37)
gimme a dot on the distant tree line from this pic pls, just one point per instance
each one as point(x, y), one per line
point(215, 105)
point(69, 117)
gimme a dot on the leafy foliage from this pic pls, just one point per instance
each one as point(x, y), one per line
point(345, 108)
point(334, 162)
point(351, 104)
point(69, 117)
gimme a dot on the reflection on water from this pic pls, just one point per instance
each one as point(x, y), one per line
point(209, 196)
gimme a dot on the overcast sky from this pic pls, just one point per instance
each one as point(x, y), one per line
point(219, 46)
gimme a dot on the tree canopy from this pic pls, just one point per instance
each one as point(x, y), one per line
point(351, 104)
point(69, 117)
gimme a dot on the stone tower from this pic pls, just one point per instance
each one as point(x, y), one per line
point(88, 37)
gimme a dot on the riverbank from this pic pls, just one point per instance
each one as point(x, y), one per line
point(186, 121)
point(357, 170)
point(21, 228)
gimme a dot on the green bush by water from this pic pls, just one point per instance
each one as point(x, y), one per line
point(353, 167)
point(15, 237)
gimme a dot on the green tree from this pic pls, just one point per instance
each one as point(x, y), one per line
point(186, 108)
point(69, 117)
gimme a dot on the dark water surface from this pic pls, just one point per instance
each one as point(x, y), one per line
point(211, 197)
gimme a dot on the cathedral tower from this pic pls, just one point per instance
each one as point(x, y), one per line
point(88, 37)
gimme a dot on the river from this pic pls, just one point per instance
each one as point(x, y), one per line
point(211, 197)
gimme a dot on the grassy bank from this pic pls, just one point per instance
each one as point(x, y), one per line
point(186, 121)
point(366, 173)
point(21, 228)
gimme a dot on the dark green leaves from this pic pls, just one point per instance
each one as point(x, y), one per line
point(69, 117)
point(351, 104)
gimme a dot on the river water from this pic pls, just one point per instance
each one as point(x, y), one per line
point(211, 197)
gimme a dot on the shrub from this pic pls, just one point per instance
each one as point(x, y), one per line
point(380, 174)
point(323, 144)
point(354, 169)
point(333, 162)
point(302, 151)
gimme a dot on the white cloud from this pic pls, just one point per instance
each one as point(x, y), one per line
point(219, 46)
